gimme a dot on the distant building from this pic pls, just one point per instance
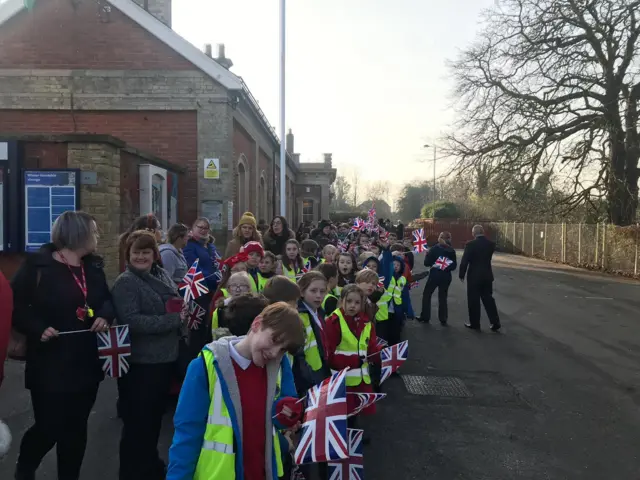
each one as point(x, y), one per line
point(152, 123)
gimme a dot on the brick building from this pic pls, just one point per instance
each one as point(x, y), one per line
point(107, 86)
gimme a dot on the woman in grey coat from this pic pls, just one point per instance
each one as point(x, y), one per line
point(147, 300)
point(173, 260)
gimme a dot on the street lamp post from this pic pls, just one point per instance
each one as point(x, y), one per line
point(283, 152)
point(434, 169)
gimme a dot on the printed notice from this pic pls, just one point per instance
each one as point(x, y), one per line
point(212, 168)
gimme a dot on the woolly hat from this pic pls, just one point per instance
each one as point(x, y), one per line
point(324, 223)
point(248, 219)
point(251, 247)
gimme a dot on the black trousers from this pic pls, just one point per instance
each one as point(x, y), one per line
point(442, 283)
point(61, 421)
point(143, 399)
point(395, 325)
point(481, 291)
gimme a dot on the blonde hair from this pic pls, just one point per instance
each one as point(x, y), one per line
point(367, 276)
point(331, 249)
point(352, 288)
point(243, 275)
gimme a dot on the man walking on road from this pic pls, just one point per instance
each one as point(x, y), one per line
point(477, 259)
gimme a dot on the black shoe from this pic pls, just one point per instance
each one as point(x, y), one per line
point(495, 327)
point(472, 327)
point(444, 324)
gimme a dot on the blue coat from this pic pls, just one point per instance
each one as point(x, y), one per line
point(208, 256)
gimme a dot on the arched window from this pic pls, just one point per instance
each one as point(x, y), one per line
point(243, 186)
point(262, 199)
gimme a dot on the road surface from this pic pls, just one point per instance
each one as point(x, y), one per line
point(555, 395)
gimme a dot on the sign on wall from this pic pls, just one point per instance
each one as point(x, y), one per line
point(47, 194)
point(212, 168)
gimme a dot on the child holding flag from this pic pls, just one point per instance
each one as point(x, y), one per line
point(234, 397)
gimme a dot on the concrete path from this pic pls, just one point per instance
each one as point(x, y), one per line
point(554, 396)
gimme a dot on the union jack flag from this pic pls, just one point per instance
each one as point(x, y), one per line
point(217, 266)
point(305, 269)
point(193, 285)
point(114, 347)
point(324, 430)
point(372, 214)
point(365, 400)
point(392, 358)
point(381, 282)
point(342, 245)
point(381, 342)
point(353, 467)
point(358, 224)
point(419, 242)
point(384, 235)
point(413, 285)
point(196, 316)
point(442, 263)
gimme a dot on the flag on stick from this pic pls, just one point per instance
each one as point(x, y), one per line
point(196, 316)
point(193, 285)
point(392, 358)
point(443, 263)
point(353, 467)
point(365, 400)
point(114, 349)
point(419, 242)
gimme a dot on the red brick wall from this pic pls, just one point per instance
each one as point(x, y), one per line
point(244, 144)
point(45, 155)
point(57, 35)
point(170, 135)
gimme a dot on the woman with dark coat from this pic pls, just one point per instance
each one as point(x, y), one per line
point(442, 260)
point(276, 237)
point(59, 290)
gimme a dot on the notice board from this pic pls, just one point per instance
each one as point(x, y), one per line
point(47, 194)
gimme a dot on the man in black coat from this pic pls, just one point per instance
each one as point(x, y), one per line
point(477, 259)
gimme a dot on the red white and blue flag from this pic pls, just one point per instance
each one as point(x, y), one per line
point(380, 282)
point(358, 224)
point(353, 467)
point(324, 429)
point(381, 342)
point(392, 358)
point(217, 266)
point(196, 316)
point(413, 285)
point(342, 245)
point(365, 400)
point(193, 285)
point(419, 242)
point(443, 263)
point(114, 348)
point(372, 214)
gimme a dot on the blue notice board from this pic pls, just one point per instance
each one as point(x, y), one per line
point(47, 193)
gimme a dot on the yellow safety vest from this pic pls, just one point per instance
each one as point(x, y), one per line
point(311, 350)
point(354, 347)
point(395, 289)
point(225, 293)
point(383, 306)
point(290, 274)
point(217, 459)
point(262, 281)
point(327, 297)
point(215, 322)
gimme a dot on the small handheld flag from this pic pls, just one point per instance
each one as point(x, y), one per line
point(419, 242)
point(443, 263)
point(324, 430)
point(392, 358)
point(196, 316)
point(193, 285)
point(381, 342)
point(353, 467)
point(114, 349)
point(365, 400)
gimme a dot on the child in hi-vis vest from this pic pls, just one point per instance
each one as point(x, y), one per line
point(350, 341)
point(236, 396)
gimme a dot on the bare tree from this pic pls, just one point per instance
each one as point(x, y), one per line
point(551, 85)
point(378, 191)
point(355, 183)
point(341, 189)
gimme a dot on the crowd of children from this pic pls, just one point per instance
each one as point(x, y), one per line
point(282, 326)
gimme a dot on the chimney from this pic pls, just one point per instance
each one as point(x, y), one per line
point(161, 9)
point(296, 158)
point(289, 144)
point(207, 50)
point(327, 159)
point(221, 59)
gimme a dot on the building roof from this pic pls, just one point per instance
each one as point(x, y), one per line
point(229, 80)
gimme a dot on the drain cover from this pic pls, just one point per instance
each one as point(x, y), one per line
point(436, 386)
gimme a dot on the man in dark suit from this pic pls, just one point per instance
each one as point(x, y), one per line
point(477, 259)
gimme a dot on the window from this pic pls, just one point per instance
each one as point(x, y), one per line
point(262, 200)
point(153, 193)
point(307, 211)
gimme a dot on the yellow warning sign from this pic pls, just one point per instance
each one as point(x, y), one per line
point(212, 168)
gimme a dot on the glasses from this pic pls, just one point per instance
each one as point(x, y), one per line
point(204, 228)
point(276, 222)
point(239, 288)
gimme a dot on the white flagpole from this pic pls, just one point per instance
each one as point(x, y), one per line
point(283, 153)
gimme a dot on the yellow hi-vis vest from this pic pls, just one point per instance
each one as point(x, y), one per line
point(225, 293)
point(395, 289)
point(383, 306)
point(215, 321)
point(327, 297)
point(262, 281)
point(217, 459)
point(311, 351)
point(290, 274)
point(354, 347)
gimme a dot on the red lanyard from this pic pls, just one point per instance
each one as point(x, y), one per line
point(81, 284)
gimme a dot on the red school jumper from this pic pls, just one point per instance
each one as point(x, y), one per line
point(336, 361)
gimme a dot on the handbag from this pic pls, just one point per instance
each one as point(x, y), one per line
point(17, 349)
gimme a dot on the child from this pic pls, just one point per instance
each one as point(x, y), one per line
point(280, 289)
point(362, 243)
point(291, 264)
point(330, 272)
point(309, 366)
point(368, 280)
point(309, 251)
point(329, 253)
point(254, 253)
point(266, 269)
point(368, 256)
point(397, 302)
point(351, 342)
point(236, 316)
point(346, 269)
point(234, 397)
point(239, 283)
point(232, 265)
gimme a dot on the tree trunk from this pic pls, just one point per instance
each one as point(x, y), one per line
point(622, 195)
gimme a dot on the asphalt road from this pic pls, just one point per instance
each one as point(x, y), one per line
point(554, 396)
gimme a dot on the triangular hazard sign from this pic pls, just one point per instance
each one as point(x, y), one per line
point(211, 165)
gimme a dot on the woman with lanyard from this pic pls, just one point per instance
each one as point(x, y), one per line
point(61, 298)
